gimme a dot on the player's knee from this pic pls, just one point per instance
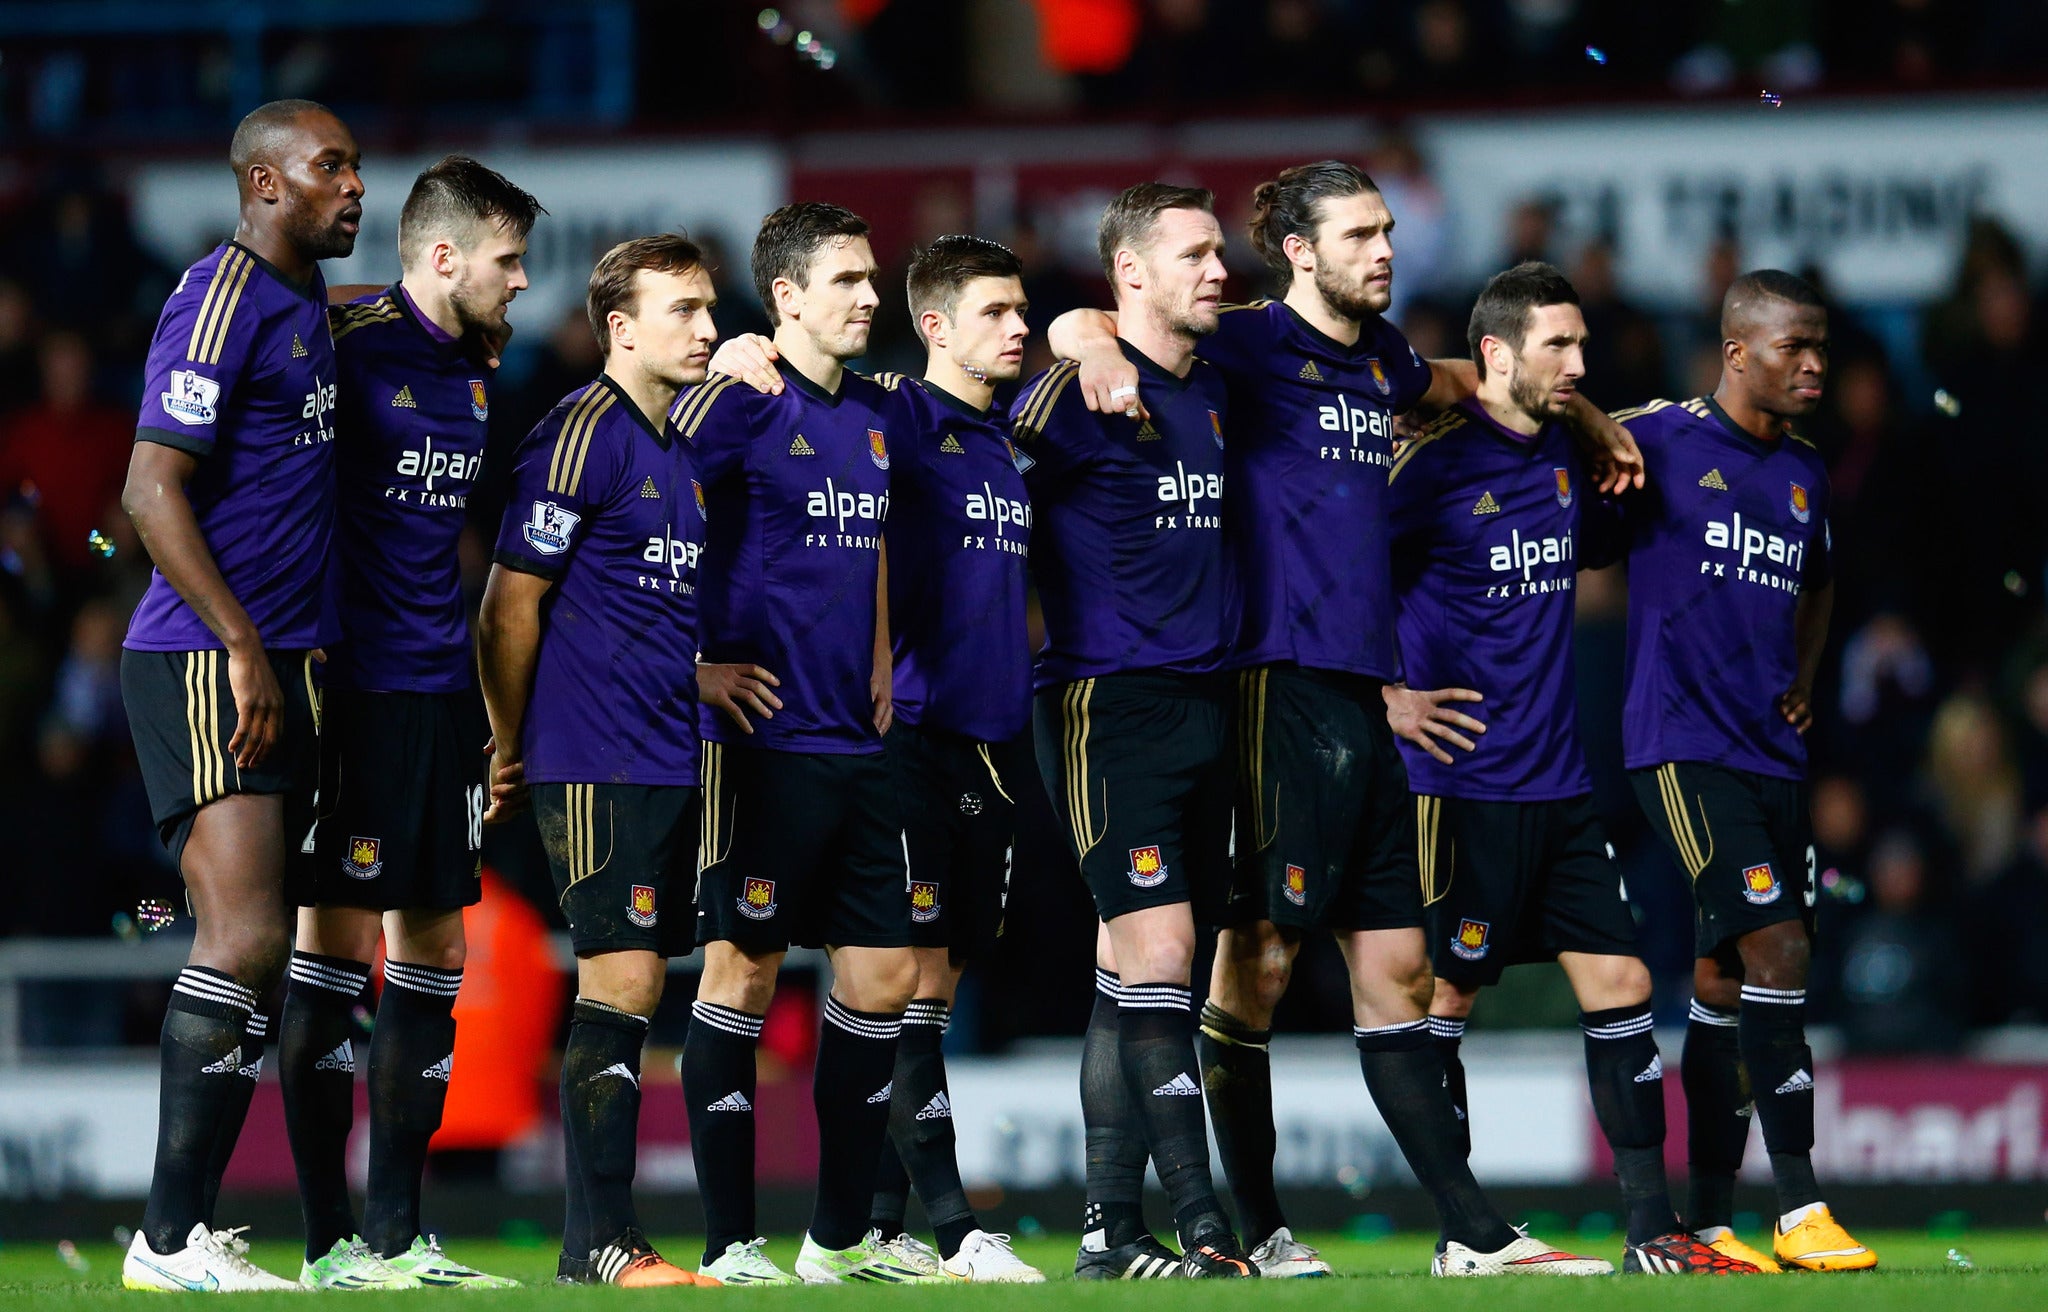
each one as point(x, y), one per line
point(1716, 988)
point(1777, 957)
point(882, 982)
point(1451, 1000)
point(254, 954)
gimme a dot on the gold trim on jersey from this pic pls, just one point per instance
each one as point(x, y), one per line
point(696, 404)
point(381, 310)
point(994, 778)
point(1697, 407)
point(1259, 304)
point(313, 694)
point(714, 844)
point(1429, 823)
point(1037, 405)
point(1443, 425)
point(1251, 742)
point(1637, 412)
point(572, 444)
point(217, 307)
point(1076, 721)
point(888, 379)
point(1682, 836)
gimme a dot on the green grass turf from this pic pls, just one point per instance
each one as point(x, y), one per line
point(1385, 1275)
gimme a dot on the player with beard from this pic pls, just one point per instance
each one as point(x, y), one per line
point(399, 836)
point(1730, 584)
point(1325, 829)
point(1489, 528)
point(1133, 715)
point(231, 488)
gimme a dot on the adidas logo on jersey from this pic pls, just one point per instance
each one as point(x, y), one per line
point(731, 1102)
point(801, 447)
point(1486, 505)
point(228, 1065)
point(648, 492)
point(1309, 373)
point(1180, 1086)
point(951, 446)
point(940, 1108)
point(343, 1059)
point(1801, 1082)
point(441, 1069)
point(298, 348)
point(621, 1070)
point(404, 399)
point(1147, 433)
point(1713, 482)
point(1653, 1072)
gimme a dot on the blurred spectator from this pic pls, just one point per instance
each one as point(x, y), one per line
point(1422, 242)
point(1625, 356)
point(71, 450)
point(1975, 785)
point(1898, 993)
point(2009, 980)
point(1886, 698)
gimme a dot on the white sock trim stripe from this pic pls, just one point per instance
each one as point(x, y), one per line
point(214, 988)
point(423, 979)
point(257, 1026)
point(315, 975)
point(936, 1017)
point(1108, 985)
point(1700, 1013)
point(1406, 1027)
point(1777, 997)
point(1622, 1029)
point(837, 1013)
point(1445, 1027)
point(729, 1019)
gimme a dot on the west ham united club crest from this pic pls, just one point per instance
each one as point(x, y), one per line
point(640, 910)
point(479, 401)
point(364, 860)
point(1759, 885)
point(698, 489)
point(1297, 886)
point(924, 902)
point(1147, 870)
point(1216, 427)
point(1801, 509)
point(1469, 943)
point(878, 451)
point(757, 899)
point(1564, 485)
point(1379, 377)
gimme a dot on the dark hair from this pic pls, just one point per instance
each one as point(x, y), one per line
point(450, 198)
point(611, 282)
point(790, 238)
point(941, 270)
point(1291, 205)
point(1128, 221)
point(1509, 298)
point(264, 128)
point(1747, 294)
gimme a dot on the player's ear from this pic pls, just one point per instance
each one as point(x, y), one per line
point(787, 295)
point(1128, 267)
point(1299, 253)
point(621, 328)
point(263, 182)
point(1734, 354)
point(933, 325)
point(447, 261)
point(1499, 358)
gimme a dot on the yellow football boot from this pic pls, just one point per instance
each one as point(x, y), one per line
point(1724, 1242)
point(1818, 1243)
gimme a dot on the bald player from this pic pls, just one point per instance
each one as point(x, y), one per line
point(231, 487)
point(1730, 585)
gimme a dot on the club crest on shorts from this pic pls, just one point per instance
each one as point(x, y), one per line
point(970, 804)
point(1469, 943)
point(924, 902)
point(364, 859)
point(1759, 885)
point(1564, 485)
point(479, 400)
point(878, 451)
point(757, 899)
point(1802, 509)
point(640, 909)
point(1296, 887)
point(1147, 870)
point(1379, 377)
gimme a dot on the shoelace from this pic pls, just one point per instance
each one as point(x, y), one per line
point(993, 1239)
point(231, 1248)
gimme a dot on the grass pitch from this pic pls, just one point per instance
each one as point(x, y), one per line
point(1387, 1275)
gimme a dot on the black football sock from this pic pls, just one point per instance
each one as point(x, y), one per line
point(1772, 1035)
point(921, 1126)
point(201, 1053)
point(1115, 1141)
point(1155, 1045)
point(1717, 1114)
point(254, 1035)
point(1237, 1077)
point(601, 1095)
point(1626, 1077)
point(718, 1085)
point(412, 1055)
point(892, 1189)
point(317, 1068)
point(577, 1244)
point(1405, 1075)
point(1449, 1033)
point(850, 1088)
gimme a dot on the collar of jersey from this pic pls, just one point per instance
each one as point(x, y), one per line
point(313, 289)
point(452, 349)
point(1529, 445)
point(946, 398)
point(1737, 431)
point(1161, 375)
point(1322, 341)
point(795, 378)
point(660, 435)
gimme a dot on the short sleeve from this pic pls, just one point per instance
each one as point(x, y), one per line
point(1408, 374)
point(1411, 495)
point(561, 474)
point(1051, 427)
point(715, 419)
point(1820, 555)
point(1242, 338)
point(204, 346)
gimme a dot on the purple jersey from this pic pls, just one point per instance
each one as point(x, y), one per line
point(241, 374)
point(1488, 535)
point(797, 487)
point(1729, 530)
point(1313, 422)
point(411, 423)
point(605, 504)
point(1129, 549)
point(958, 552)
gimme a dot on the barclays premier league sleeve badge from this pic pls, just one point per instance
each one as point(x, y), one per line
point(550, 527)
point(193, 399)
